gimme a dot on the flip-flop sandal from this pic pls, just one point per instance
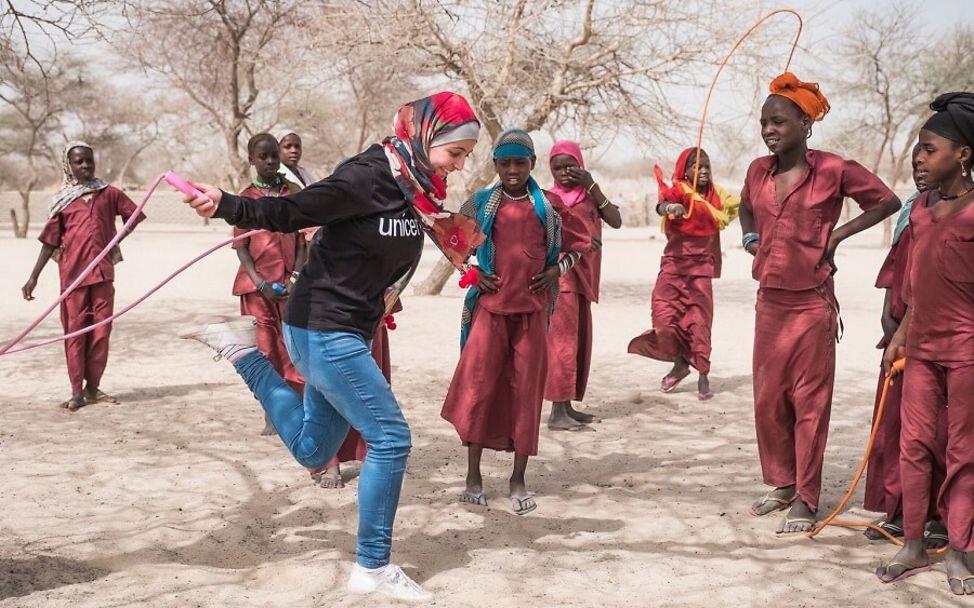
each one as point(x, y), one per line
point(73, 405)
point(910, 571)
point(787, 521)
point(580, 428)
point(473, 498)
point(893, 530)
point(934, 540)
point(962, 581)
point(589, 418)
point(523, 505)
point(782, 503)
point(669, 383)
point(707, 396)
point(101, 397)
point(935, 536)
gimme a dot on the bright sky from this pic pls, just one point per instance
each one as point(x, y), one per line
point(824, 23)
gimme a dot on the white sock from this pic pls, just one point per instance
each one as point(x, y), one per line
point(372, 570)
point(232, 352)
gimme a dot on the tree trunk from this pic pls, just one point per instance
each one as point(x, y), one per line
point(434, 282)
point(20, 229)
point(13, 220)
point(888, 231)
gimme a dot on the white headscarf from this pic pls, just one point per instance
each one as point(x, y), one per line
point(71, 189)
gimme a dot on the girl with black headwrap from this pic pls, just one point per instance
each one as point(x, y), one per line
point(937, 339)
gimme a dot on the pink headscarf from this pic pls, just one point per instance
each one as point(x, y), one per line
point(569, 196)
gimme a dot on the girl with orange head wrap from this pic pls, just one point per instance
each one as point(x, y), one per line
point(790, 206)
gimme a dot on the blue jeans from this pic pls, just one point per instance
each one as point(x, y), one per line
point(344, 387)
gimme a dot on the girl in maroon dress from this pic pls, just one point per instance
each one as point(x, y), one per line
point(494, 400)
point(937, 338)
point(570, 334)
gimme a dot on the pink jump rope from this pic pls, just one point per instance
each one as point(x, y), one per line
point(176, 182)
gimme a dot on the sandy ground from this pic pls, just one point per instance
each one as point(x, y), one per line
point(171, 499)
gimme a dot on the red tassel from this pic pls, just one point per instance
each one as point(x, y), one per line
point(470, 278)
point(390, 322)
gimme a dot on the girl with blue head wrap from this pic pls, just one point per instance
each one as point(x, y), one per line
point(494, 400)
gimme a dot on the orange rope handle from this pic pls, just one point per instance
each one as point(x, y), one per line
point(723, 62)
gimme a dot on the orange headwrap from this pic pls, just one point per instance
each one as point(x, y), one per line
point(806, 95)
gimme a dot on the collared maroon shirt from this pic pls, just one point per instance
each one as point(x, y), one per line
point(274, 253)
point(82, 229)
point(940, 285)
point(580, 225)
point(795, 232)
point(520, 249)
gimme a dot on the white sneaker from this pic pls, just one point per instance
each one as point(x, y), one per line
point(390, 581)
point(228, 336)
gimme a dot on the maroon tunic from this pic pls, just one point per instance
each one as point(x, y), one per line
point(797, 314)
point(495, 396)
point(884, 488)
point(274, 257)
point(570, 332)
point(683, 301)
point(883, 491)
point(939, 375)
point(82, 230)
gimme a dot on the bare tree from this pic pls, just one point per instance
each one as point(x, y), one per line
point(347, 107)
point(49, 21)
point(893, 77)
point(121, 125)
point(230, 59)
point(34, 99)
point(542, 64)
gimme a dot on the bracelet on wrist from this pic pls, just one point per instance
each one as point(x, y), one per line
point(589, 189)
point(605, 203)
point(261, 285)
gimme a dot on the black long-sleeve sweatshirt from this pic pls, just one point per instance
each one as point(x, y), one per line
point(368, 239)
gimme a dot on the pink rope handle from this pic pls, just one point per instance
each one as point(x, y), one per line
point(9, 351)
point(8, 348)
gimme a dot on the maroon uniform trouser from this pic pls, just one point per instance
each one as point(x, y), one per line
point(87, 355)
point(938, 411)
point(793, 373)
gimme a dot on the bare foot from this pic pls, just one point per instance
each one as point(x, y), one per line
point(799, 519)
point(475, 482)
point(268, 427)
point(681, 369)
point(473, 495)
point(909, 560)
point(580, 416)
point(75, 403)
point(559, 420)
point(703, 388)
point(474, 492)
point(959, 576)
point(775, 500)
point(330, 478)
point(522, 502)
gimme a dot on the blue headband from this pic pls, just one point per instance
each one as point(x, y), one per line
point(512, 150)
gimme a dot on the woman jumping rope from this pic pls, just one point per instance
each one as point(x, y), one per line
point(373, 211)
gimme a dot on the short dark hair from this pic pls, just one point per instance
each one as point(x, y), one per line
point(256, 139)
